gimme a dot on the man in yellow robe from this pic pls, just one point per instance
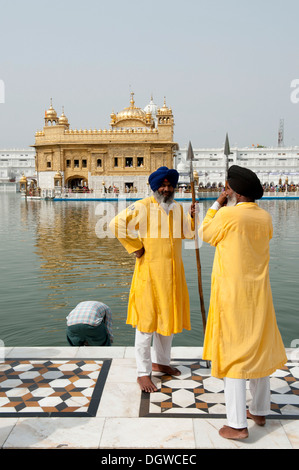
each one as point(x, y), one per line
point(153, 229)
point(242, 339)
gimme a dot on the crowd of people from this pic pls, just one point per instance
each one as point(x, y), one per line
point(186, 188)
point(267, 187)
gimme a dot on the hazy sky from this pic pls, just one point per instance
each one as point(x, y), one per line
point(223, 65)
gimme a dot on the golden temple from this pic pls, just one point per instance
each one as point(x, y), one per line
point(122, 157)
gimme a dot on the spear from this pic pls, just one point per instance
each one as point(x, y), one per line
point(190, 157)
point(227, 152)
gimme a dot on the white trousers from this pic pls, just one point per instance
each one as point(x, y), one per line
point(159, 354)
point(235, 399)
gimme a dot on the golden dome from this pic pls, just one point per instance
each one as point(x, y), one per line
point(51, 113)
point(132, 112)
point(63, 119)
point(165, 109)
point(23, 179)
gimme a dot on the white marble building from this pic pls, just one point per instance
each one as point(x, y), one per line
point(270, 164)
point(14, 163)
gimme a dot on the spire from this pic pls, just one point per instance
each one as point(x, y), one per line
point(132, 100)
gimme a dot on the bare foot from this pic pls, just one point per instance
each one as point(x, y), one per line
point(166, 369)
point(259, 420)
point(146, 384)
point(232, 433)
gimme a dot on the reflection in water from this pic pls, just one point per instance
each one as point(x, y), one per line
point(284, 265)
point(77, 265)
point(52, 258)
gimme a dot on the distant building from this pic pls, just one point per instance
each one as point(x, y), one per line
point(14, 163)
point(272, 165)
point(120, 158)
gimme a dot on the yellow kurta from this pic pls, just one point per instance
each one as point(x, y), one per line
point(242, 339)
point(159, 299)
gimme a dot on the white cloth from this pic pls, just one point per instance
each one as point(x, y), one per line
point(167, 207)
point(160, 353)
point(216, 206)
point(235, 399)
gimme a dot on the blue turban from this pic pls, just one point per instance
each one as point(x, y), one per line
point(157, 178)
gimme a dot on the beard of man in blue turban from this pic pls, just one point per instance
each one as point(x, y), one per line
point(163, 182)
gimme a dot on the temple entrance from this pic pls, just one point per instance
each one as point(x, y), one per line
point(76, 183)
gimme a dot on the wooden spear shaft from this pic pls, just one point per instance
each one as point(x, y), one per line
point(190, 157)
point(198, 264)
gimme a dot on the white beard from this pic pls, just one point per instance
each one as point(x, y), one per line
point(231, 200)
point(163, 199)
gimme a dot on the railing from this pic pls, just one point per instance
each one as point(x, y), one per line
point(100, 194)
point(281, 193)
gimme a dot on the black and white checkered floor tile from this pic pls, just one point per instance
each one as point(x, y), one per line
point(57, 387)
point(41, 387)
point(196, 394)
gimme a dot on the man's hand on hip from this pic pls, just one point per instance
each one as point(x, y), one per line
point(139, 253)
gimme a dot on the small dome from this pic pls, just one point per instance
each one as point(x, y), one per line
point(165, 109)
point(51, 113)
point(151, 108)
point(63, 119)
point(23, 179)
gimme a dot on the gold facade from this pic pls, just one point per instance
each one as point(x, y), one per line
point(136, 144)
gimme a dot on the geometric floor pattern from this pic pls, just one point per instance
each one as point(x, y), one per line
point(73, 387)
point(39, 387)
point(196, 394)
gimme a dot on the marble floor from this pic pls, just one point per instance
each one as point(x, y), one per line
point(88, 398)
point(43, 387)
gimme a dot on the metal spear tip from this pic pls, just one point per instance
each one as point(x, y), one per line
point(190, 154)
point(226, 146)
